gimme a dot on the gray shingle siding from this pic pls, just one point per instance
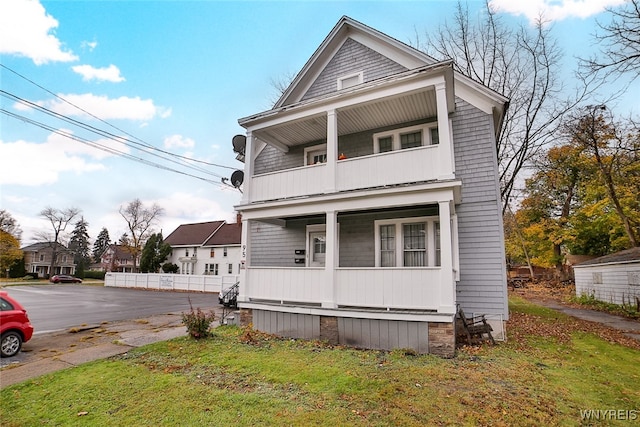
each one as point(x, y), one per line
point(482, 285)
point(352, 57)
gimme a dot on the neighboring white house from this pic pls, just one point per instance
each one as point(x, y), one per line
point(613, 278)
point(371, 206)
point(206, 248)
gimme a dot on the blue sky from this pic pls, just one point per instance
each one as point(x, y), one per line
point(177, 75)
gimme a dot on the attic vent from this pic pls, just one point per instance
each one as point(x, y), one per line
point(350, 80)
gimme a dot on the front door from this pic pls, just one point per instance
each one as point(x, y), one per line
point(317, 248)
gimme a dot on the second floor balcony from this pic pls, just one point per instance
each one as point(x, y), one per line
point(393, 132)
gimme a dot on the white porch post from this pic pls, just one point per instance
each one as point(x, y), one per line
point(332, 150)
point(244, 261)
point(447, 286)
point(248, 169)
point(330, 261)
point(444, 130)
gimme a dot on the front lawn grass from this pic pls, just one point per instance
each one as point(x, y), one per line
point(546, 374)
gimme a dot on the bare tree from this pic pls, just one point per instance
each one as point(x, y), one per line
point(140, 221)
point(619, 41)
point(59, 220)
point(9, 225)
point(523, 64)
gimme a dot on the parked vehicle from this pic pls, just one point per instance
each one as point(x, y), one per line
point(15, 327)
point(63, 278)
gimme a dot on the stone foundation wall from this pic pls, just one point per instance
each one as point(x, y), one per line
point(442, 340)
point(329, 329)
point(246, 316)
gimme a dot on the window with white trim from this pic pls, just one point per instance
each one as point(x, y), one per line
point(315, 155)
point(408, 242)
point(211, 269)
point(409, 137)
point(224, 251)
point(350, 80)
point(230, 269)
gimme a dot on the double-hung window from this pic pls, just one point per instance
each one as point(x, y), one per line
point(404, 138)
point(408, 242)
point(315, 155)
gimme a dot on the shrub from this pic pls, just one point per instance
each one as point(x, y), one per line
point(89, 274)
point(198, 322)
point(169, 267)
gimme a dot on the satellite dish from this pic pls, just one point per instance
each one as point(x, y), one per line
point(237, 178)
point(239, 142)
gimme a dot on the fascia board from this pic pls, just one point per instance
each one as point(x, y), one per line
point(407, 82)
point(388, 197)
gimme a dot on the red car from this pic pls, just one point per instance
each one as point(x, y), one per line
point(15, 327)
point(63, 278)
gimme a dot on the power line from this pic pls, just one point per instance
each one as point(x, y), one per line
point(102, 147)
point(103, 132)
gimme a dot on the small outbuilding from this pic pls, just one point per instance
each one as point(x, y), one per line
point(613, 278)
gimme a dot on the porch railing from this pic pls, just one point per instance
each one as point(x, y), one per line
point(397, 167)
point(380, 288)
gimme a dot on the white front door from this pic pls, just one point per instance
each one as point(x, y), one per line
point(317, 248)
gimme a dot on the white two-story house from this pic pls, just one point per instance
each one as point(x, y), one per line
point(206, 248)
point(371, 205)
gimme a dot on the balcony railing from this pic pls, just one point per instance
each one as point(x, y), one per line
point(378, 288)
point(391, 168)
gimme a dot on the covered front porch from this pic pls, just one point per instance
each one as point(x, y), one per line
point(395, 259)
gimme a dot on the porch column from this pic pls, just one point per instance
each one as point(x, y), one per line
point(244, 261)
point(248, 169)
point(444, 130)
point(330, 260)
point(447, 290)
point(332, 150)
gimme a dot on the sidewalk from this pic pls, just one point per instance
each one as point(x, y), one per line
point(48, 353)
point(629, 327)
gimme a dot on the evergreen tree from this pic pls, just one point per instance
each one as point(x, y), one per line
point(101, 244)
point(79, 245)
point(154, 253)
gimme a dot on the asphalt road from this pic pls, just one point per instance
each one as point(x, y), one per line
point(52, 308)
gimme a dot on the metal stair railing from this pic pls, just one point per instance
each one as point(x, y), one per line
point(229, 300)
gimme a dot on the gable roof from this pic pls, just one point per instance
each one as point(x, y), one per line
point(36, 247)
point(119, 252)
point(626, 256)
point(228, 234)
point(193, 234)
point(413, 64)
point(348, 28)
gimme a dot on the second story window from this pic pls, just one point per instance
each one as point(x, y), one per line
point(224, 251)
point(186, 252)
point(41, 257)
point(315, 155)
point(405, 138)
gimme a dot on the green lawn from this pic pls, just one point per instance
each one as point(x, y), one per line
point(246, 378)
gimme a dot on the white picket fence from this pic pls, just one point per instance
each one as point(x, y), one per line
point(182, 282)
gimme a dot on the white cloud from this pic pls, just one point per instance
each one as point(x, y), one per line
point(89, 45)
point(178, 141)
point(553, 10)
point(27, 30)
point(109, 74)
point(185, 208)
point(48, 160)
point(102, 106)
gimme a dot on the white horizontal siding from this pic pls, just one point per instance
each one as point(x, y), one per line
point(620, 282)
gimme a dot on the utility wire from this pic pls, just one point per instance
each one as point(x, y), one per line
point(102, 147)
point(150, 146)
point(103, 133)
